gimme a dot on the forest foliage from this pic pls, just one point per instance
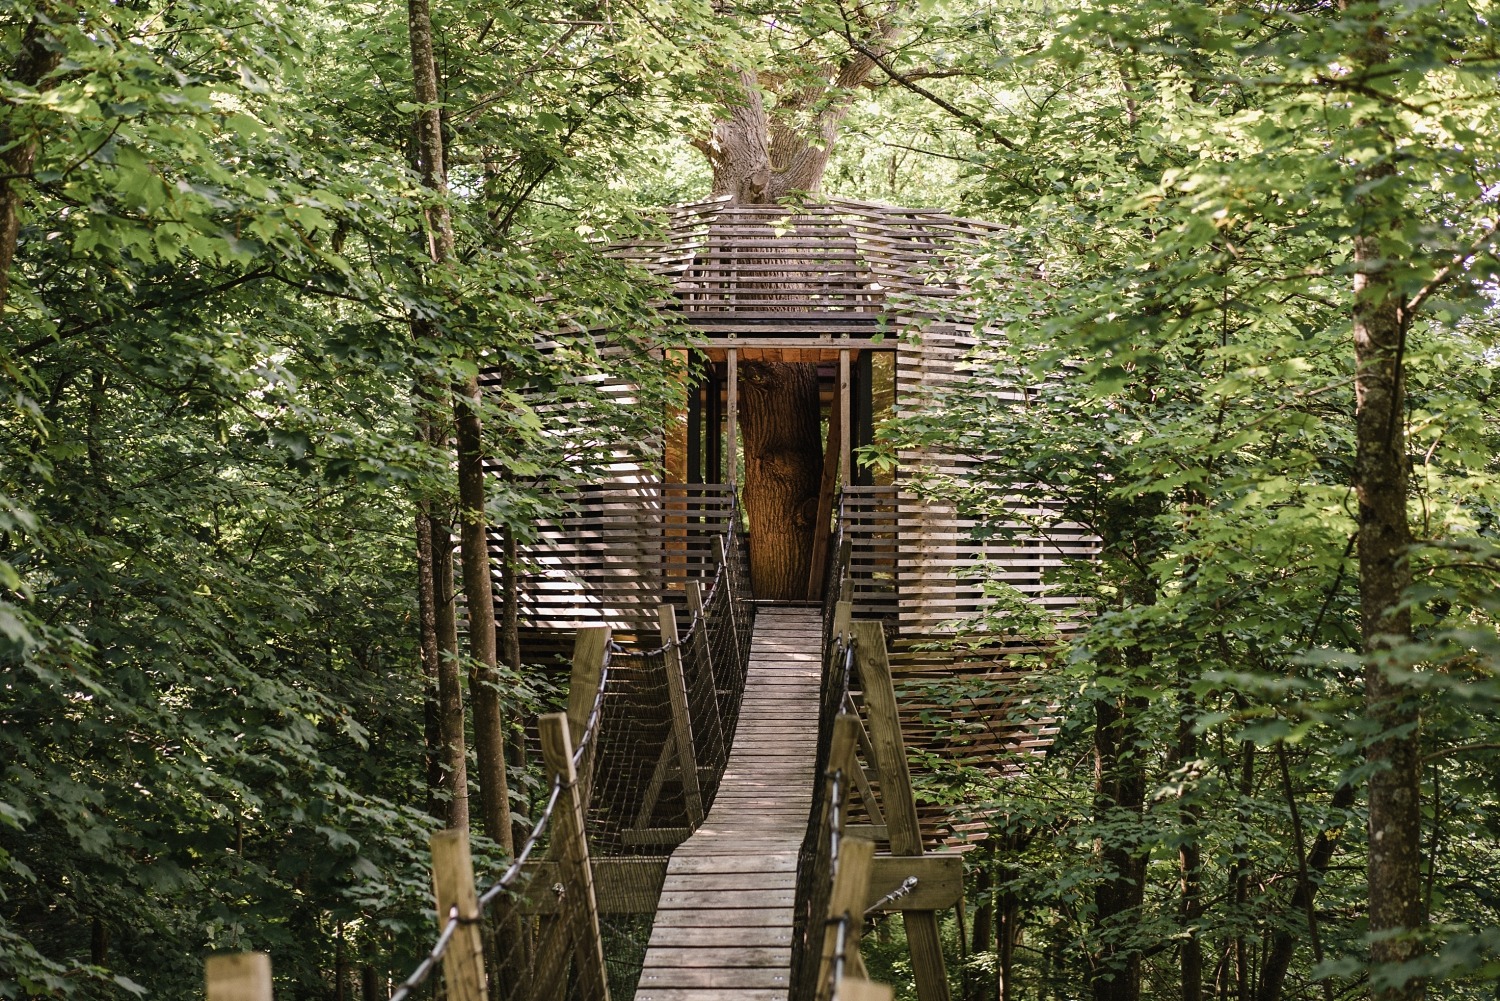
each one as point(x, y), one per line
point(212, 712)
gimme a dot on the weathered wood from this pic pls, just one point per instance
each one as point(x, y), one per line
point(453, 888)
point(846, 901)
point(244, 976)
point(590, 647)
point(860, 989)
point(621, 885)
point(725, 913)
point(682, 723)
point(900, 804)
point(704, 653)
point(940, 881)
point(731, 468)
point(572, 856)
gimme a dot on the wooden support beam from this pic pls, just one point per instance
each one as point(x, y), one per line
point(822, 521)
point(590, 647)
point(860, 989)
point(731, 436)
point(900, 803)
point(453, 886)
point(570, 849)
point(243, 976)
point(850, 883)
point(940, 881)
point(734, 614)
point(630, 885)
point(846, 471)
point(682, 722)
point(704, 652)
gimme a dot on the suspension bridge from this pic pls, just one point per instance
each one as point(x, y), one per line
point(727, 798)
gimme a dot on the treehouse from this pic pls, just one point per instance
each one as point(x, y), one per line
point(816, 323)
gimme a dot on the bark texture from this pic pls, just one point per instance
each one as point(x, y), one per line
point(1395, 866)
point(34, 62)
point(489, 730)
point(765, 153)
point(779, 417)
point(1384, 540)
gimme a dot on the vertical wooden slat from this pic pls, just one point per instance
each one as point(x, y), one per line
point(851, 884)
point(731, 437)
point(900, 805)
point(244, 976)
point(453, 886)
point(572, 853)
point(704, 652)
point(589, 649)
point(682, 722)
point(845, 472)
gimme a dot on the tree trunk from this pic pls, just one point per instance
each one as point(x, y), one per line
point(479, 589)
point(1119, 790)
point(1283, 945)
point(1395, 865)
point(473, 545)
point(34, 61)
point(1384, 539)
point(1190, 861)
point(779, 415)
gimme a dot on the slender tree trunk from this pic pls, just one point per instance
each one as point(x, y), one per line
point(479, 589)
point(450, 679)
point(35, 60)
point(1395, 865)
point(1119, 792)
point(1190, 861)
point(432, 701)
point(1384, 540)
point(473, 545)
point(779, 415)
point(1283, 945)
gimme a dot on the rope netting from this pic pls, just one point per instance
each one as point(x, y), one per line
point(818, 861)
point(646, 768)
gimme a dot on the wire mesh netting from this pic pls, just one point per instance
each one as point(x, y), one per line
point(571, 917)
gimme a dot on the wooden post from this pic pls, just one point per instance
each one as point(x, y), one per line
point(682, 721)
point(850, 887)
point(243, 976)
point(705, 654)
point(827, 487)
point(734, 615)
point(571, 850)
point(589, 649)
point(731, 436)
point(845, 426)
point(860, 989)
point(453, 886)
point(900, 804)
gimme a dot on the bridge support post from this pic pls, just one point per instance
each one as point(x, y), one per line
point(900, 804)
point(682, 723)
point(453, 886)
point(705, 655)
point(571, 849)
point(244, 976)
point(589, 649)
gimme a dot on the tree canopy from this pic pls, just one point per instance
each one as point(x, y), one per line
point(1240, 323)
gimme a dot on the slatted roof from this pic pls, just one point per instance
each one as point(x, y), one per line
point(835, 269)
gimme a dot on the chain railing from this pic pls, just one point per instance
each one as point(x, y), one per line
point(631, 771)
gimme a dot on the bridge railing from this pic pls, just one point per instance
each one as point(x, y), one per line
point(842, 879)
point(630, 771)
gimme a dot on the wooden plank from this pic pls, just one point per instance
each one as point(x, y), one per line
point(696, 956)
point(243, 976)
point(717, 977)
point(682, 724)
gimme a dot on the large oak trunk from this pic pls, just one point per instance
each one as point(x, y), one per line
point(783, 465)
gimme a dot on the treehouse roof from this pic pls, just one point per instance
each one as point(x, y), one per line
point(788, 276)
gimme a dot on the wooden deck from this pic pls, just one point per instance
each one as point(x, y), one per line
point(723, 928)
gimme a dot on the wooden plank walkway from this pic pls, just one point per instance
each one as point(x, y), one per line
point(723, 928)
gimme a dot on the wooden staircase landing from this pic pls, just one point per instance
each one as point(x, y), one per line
point(723, 929)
